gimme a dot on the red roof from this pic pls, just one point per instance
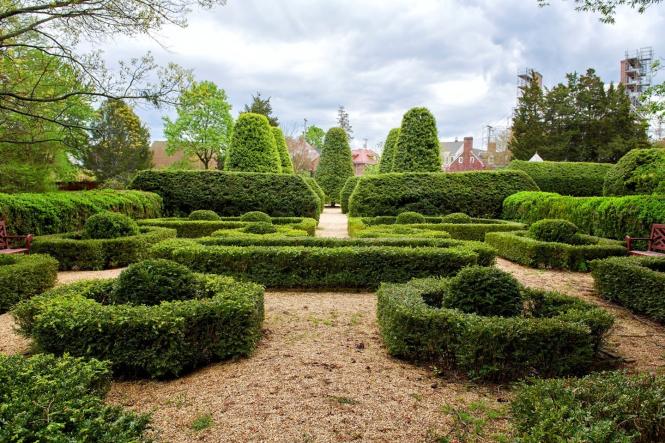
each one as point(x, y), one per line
point(364, 156)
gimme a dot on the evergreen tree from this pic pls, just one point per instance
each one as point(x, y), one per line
point(253, 147)
point(417, 147)
point(285, 158)
point(388, 156)
point(343, 121)
point(528, 128)
point(335, 164)
point(262, 106)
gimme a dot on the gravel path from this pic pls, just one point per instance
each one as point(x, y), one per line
point(332, 223)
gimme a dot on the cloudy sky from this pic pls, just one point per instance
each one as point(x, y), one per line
point(379, 58)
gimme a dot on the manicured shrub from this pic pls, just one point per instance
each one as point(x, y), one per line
point(253, 147)
point(335, 164)
point(45, 398)
point(610, 217)
point(478, 193)
point(23, 276)
point(256, 216)
point(317, 190)
point(603, 407)
point(151, 282)
point(194, 228)
point(346, 191)
point(409, 217)
point(285, 158)
point(55, 212)
point(640, 171)
point(204, 214)
point(484, 291)
point(260, 228)
point(578, 179)
point(637, 283)
point(456, 218)
point(105, 225)
point(554, 230)
point(389, 148)
point(400, 231)
point(417, 147)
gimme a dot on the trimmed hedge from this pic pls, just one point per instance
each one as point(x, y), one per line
point(609, 217)
point(74, 252)
point(578, 179)
point(230, 193)
point(388, 154)
point(23, 276)
point(204, 214)
point(418, 148)
point(50, 399)
point(55, 212)
point(640, 171)
point(317, 189)
point(554, 230)
point(335, 164)
point(253, 147)
point(106, 225)
point(200, 228)
point(555, 335)
point(346, 191)
point(221, 320)
point(477, 193)
point(518, 247)
point(637, 283)
point(280, 143)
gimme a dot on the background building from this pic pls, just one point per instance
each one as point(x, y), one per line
point(162, 160)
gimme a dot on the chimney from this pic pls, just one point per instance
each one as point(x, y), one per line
point(468, 145)
point(491, 147)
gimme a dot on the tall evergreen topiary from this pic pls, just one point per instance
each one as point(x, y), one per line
point(285, 158)
point(253, 147)
point(335, 164)
point(417, 147)
point(388, 157)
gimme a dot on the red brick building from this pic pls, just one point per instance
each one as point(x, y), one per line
point(465, 159)
point(362, 158)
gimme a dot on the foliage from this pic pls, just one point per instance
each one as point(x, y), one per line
point(335, 164)
point(344, 122)
point(260, 228)
point(607, 8)
point(417, 148)
point(389, 148)
point(263, 107)
point(200, 228)
point(640, 171)
point(566, 178)
point(256, 216)
point(204, 214)
point(554, 230)
point(315, 136)
point(108, 224)
point(22, 276)
point(456, 218)
point(345, 193)
point(400, 231)
point(316, 188)
point(151, 282)
point(285, 158)
point(253, 147)
point(409, 218)
point(484, 291)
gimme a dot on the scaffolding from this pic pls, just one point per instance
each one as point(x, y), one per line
point(637, 73)
point(525, 77)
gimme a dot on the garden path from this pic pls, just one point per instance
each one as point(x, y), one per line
point(332, 223)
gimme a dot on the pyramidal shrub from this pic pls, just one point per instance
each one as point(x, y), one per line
point(253, 147)
point(417, 147)
point(388, 157)
point(285, 158)
point(335, 164)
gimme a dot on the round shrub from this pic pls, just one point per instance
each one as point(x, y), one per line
point(409, 218)
point(107, 224)
point(484, 291)
point(151, 282)
point(553, 230)
point(457, 218)
point(24, 276)
point(260, 228)
point(204, 214)
point(418, 148)
point(640, 171)
point(256, 216)
point(253, 147)
point(335, 164)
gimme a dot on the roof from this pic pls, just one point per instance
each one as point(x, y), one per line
point(536, 158)
point(451, 147)
point(364, 156)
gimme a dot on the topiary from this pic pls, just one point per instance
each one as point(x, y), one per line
point(640, 171)
point(285, 158)
point(335, 164)
point(484, 291)
point(388, 156)
point(151, 282)
point(260, 228)
point(109, 225)
point(417, 147)
point(204, 214)
point(457, 218)
point(256, 216)
point(409, 218)
point(253, 147)
point(553, 230)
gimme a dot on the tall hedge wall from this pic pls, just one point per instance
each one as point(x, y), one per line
point(566, 178)
point(478, 194)
point(55, 212)
point(610, 217)
point(230, 193)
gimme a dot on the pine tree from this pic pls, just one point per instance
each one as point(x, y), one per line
point(253, 147)
point(280, 142)
point(262, 106)
point(528, 129)
point(335, 164)
point(343, 121)
point(417, 147)
point(388, 156)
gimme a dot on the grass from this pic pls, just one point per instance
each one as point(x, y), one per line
point(343, 400)
point(202, 422)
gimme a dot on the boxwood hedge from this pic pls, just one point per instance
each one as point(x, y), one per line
point(23, 276)
point(230, 193)
point(346, 192)
point(637, 283)
point(556, 334)
point(477, 193)
point(187, 228)
point(640, 171)
point(579, 179)
point(317, 189)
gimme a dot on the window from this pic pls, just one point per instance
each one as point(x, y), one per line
point(461, 160)
point(473, 160)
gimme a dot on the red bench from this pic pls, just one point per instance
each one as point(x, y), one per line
point(655, 243)
point(8, 243)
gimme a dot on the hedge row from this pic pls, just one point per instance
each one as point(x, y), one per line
point(637, 283)
point(609, 217)
point(555, 335)
point(346, 192)
point(230, 193)
point(50, 399)
point(640, 171)
point(55, 212)
point(566, 178)
point(188, 228)
point(23, 276)
point(478, 193)
point(317, 189)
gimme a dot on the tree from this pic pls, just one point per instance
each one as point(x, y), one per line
point(263, 107)
point(253, 147)
point(314, 136)
point(388, 156)
point(280, 142)
point(335, 164)
point(418, 147)
point(343, 121)
point(204, 124)
point(607, 8)
point(527, 127)
point(303, 155)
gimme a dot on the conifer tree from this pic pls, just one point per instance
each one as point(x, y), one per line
point(253, 147)
point(344, 122)
point(285, 158)
point(388, 156)
point(417, 147)
point(528, 128)
point(335, 164)
point(262, 106)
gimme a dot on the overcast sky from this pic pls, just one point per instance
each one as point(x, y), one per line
point(379, 58)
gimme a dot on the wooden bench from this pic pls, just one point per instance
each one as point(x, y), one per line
point(655, 243)
point(8, 243)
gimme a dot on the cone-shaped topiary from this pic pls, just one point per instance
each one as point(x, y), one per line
point(285, 158)
point(335, 165)
point(417, 148)
point(388, 156)
point(253, 147)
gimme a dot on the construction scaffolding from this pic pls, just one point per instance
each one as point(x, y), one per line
point(637, 73)
point(525, 77)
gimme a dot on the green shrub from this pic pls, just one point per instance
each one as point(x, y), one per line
point(640, 171)
point(611, 407)
point(456, 218)
point(253, 147)
point(23, 276)
point(409, 218)
point(637, 283)
point(346, 191)
point(45, 398)
point(317, 190)
point(554, 230)
point(400, 231)
point(578, 179)
point(151, 282)
point(256, 216)
point(478, 193)
point(389, 148)
point(260, 228)
point(230, 193)
point(335, 164)
point(105, 225)
point(484, 291)
point(193, 228)
point(610, 217)
point(204, 214)
point(55, 212)
point(417, 147)
point(285, 158)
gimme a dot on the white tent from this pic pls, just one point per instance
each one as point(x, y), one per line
point(536, 158)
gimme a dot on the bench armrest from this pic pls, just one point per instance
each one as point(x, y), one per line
point(629, 241)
